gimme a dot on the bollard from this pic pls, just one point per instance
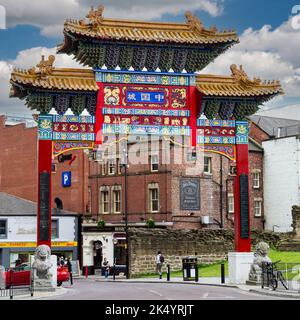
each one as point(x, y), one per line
point(196, 273)
point(222, 273)
point(168, 272)
point(114, 272)
point(86, 272)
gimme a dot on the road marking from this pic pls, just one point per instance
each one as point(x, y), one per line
point(155, 292)
point(205, 296)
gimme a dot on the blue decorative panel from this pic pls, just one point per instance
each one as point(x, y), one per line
point(146, 112)
point(73, 136)
point(215, 140)
point(215, 123)
point(145, 97)
point(75, 119)
point(242, 132)
point(139, 78)
point(45, 127)
point(139, 129)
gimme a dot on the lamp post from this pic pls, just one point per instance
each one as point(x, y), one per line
point(125, 165)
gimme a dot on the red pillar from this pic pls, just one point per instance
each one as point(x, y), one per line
point(44, 193)
point(241, 190)
point(193, 118)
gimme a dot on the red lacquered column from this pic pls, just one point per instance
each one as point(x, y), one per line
point(241, 190)
point(44, 193)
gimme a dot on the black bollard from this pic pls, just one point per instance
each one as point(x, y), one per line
point(114, 272)
point(168, 272)
point(222, 273)
point(196, 273)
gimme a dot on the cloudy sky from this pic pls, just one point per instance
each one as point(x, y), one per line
point(269, 36)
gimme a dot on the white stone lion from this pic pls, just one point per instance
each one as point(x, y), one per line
point(42, 263)
point(260, 257)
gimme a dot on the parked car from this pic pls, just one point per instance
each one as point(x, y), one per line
point(20, 275)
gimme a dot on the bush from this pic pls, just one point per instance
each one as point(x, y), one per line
point(101, 224)
point(150, 223)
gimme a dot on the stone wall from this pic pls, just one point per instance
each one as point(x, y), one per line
point(208, 245)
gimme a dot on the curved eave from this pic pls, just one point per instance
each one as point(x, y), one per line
point(156, 37)
point(221, 86)
point(60, 79)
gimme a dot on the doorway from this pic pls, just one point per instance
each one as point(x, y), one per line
point(98, 255)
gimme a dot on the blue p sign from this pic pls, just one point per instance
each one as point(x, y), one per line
point(66, 179)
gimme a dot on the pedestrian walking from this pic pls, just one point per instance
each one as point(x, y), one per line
point(69, 265)
point(106, 267)
point(62, 261)
point(159, 262)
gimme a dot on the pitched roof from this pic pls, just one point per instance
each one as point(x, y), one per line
point(272, 124)
point(12, 205)
point(192, 32)
point(48, 77)
point(236, 85)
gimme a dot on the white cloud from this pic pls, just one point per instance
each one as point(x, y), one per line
point(26, 59)
point(49, 15)
point(268, 54)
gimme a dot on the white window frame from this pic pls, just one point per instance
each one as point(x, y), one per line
point(154, 163)
point(256, 180)
point(230, 199)
point(209, 165)
point(101, 200)
point(151, 188)
point(256, 201)
point(114, 192)
point(56, 236)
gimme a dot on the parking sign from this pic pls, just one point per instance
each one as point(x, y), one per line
point(66, 179)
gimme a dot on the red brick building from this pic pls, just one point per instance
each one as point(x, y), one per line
point(153, 190)
point(154, 187)
point(18, 168)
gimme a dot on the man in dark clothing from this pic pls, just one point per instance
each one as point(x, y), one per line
point(69, 265)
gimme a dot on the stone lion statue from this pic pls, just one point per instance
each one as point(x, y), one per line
point(260, 257)
point(42, 263)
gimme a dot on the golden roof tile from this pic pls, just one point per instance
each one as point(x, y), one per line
point(192, 32)
point(48, 77)
point(236, 85)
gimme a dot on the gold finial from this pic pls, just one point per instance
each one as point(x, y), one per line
point(46, 66)
point(240, 75)
point(194, 22)
point(95, 15)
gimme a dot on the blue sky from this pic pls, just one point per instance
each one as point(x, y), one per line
point(268, 49)
point(237, 14)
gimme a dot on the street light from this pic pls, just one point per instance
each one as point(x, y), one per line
point(125, 165)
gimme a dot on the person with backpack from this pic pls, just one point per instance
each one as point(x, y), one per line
point(159, 262)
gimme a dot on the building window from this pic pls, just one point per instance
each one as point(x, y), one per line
point(117, 200)
point(257, 208)
point(119, 166)
point(103, 169)
point(153, 197)
point(256, 180)
point(3, 229)
point(154, 163)
point(54, 229)
point(104, 200)
point(207, 165)
point(230, 203)
point(111, 167)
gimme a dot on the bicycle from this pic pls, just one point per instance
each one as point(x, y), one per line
point(274, 275)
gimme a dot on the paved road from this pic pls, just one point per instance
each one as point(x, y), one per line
point(89, 289)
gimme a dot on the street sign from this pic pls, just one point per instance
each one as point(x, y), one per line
point(66, 179)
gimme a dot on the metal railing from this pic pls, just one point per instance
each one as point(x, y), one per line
point(281, 275)
point(16, 283)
